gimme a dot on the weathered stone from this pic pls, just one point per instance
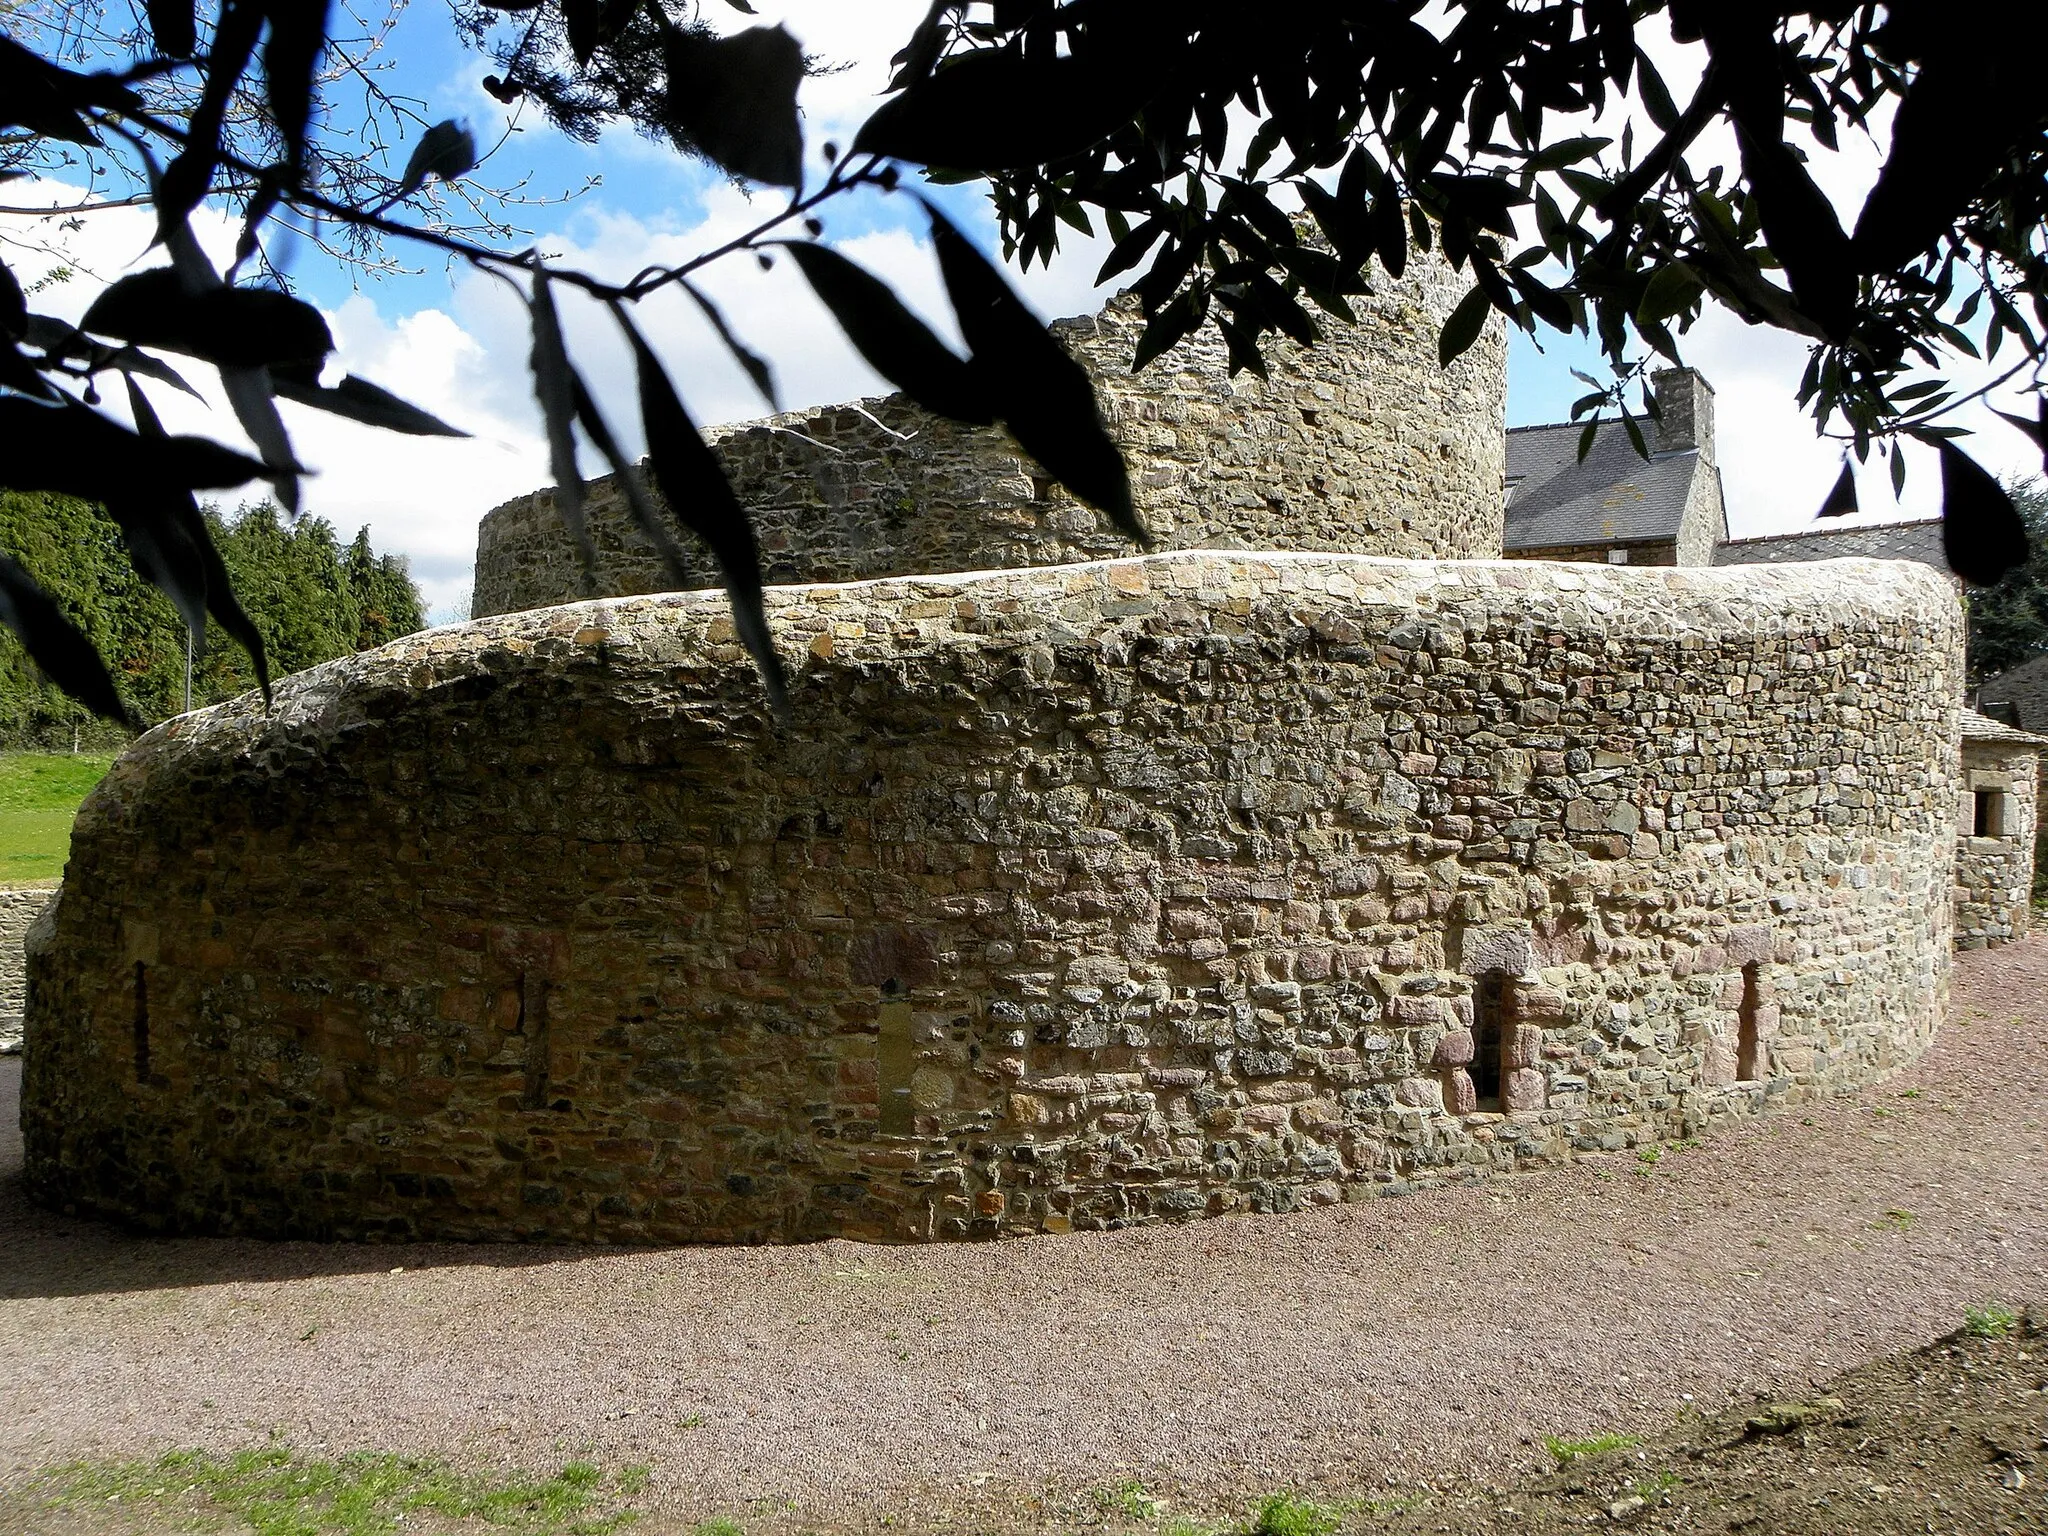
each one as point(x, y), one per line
point(1522, 1090)
point(550, 904)
point(1505, 949)
point(1454, 1049)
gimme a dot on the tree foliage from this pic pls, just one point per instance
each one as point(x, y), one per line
point(2009, 621)
point(1535, 143)
point(310, 597)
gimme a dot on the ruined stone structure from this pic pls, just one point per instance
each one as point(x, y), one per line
point(19, 908)
point(1072, 894)
point(1129, 890)
point(1996, 820)
point(1360, 446)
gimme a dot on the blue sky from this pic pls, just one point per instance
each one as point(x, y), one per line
point(455, 341)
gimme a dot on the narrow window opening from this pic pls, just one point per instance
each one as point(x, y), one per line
point(1041, 488)
point(1489, 1037)
point(1990, 819)
point(1749, 1056)
point(533, 1024)
point(1309, 416)
point(141, 1022)
point(893, 1061)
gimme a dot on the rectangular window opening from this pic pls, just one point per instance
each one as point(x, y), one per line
point(533, 1024)
point(1990, 813)
point(894, 1058)
point(141, 1022)
point(1749, 1055)
point(1489, 1037)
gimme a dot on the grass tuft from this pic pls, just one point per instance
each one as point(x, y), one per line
point(276, 1492)
point(1989, 1321)
point(1284, 1514)
point(1568, 1451)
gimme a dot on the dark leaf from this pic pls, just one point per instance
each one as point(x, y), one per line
point(233, 327)
point(1390, 233)
point(1586, 438)
point(360, 400)
point(920, 55)
point(1841, 500)
point(186, 179)
point(249, 396)
point(172, 29)
point(171, 548)
point(1131, 249)
point(1037, 389)
point(734, 100)
point(291, 63)
point(1635, 436)
point(554, 385)
point(756, 366)
point(446, 150)
point(1173, 325)
point(78, 452)
point(1549, 306)
point(693, 484)
point(581, 19)
point(1463, 326)
point(57, 645)
point(626, 475)
point(35, 94)
point(1671, 291)
point(1982, 536)
point(13, 306)
point(896, 344)
point(996, 110)
point(2036, 430)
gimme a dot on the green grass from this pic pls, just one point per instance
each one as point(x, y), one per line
point(39, 796)
point(1990, 1321)
point(279, 1493)
point(1286, 1515)
point(1569, 1451)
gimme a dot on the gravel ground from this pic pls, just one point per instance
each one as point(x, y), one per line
point(1331, 1351)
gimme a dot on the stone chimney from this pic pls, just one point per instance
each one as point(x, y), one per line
point(1686, 401)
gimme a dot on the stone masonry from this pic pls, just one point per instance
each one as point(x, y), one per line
point(1362, 445)
point(1996, 820)
point(1123, 891)
point(19, 908)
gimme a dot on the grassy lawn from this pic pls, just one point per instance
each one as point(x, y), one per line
point(39, 794)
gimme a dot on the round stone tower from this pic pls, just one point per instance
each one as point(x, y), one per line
point(1360, 445)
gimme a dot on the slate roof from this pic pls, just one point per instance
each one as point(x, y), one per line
point(1978, 727)
point(2019, 694)
point(1874, 541)
point(1614, 497)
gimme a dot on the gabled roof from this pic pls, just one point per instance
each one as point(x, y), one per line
point(1614, 497)
point(1873, 541)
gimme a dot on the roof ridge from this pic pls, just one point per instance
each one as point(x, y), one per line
point(1808, 533)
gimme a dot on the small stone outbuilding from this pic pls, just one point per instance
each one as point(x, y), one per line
point(1995, 823)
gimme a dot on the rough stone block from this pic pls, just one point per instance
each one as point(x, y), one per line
point(1522, 1090)
point(1749, 944)
point(1506, 949)
point(1460, 1096)
point(1454, 1049)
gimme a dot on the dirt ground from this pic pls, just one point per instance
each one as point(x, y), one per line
point(1359, 1358)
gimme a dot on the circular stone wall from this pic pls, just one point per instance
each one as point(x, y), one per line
point(1073, 897)
point(1361, 444)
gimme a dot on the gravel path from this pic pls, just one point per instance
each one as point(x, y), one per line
point(1410, 1338)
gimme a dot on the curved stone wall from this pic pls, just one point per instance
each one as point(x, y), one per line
point(1118, 892)
point(1361, 445)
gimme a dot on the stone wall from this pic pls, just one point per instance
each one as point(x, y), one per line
point(1068, 898)
point(20, 906)
point(1361, 445)
point(1995, 873)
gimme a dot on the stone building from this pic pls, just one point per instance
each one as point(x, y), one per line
point(1996, 822)
point(1614, 507)
point(1311, 858)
